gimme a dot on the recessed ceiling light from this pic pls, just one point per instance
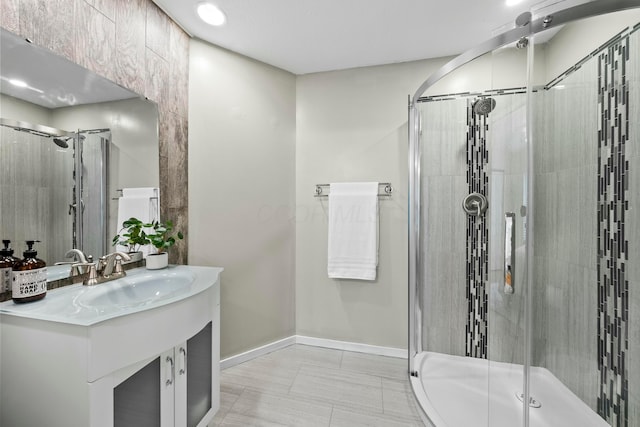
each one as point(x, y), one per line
point(18, 83)
point(513, 2)
point(211, 14)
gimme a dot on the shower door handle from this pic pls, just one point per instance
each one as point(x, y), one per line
point(509, 251)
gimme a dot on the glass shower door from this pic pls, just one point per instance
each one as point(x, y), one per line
point(506, 287)
point(473, 190)
point(91, 190)
point(453, 365)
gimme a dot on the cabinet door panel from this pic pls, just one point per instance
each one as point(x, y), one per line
point(136, 401)
point(199, 375)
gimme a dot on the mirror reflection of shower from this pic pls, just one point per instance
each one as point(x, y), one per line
point(71, 173)
point(62, 142)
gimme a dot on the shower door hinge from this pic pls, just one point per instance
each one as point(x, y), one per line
point(414, 374)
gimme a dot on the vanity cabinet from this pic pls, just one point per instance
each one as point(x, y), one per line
point(156, 367)
point(173, 389)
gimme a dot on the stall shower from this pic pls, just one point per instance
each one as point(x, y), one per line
point(525, 245)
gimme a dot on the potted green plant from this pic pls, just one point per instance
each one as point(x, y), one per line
point(132, 235)
point(162, 237)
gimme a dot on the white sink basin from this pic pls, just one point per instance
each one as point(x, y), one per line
point(140, 290)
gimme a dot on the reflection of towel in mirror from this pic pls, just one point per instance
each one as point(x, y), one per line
point(141, 203)
point(140, 192)
point(353, 230)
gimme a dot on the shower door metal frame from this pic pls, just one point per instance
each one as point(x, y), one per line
point(542, 23)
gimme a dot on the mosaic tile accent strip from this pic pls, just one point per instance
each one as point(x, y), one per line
point(477, 257)
point(613, 247)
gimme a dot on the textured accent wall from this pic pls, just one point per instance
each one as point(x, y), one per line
point(477, 236)
point(133, 43)
point(613, 246)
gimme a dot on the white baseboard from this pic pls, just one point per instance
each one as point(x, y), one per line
point(257, 352)
point(352, 346)
point(315, 342)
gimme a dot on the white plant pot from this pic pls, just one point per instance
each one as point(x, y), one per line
point(157, 261)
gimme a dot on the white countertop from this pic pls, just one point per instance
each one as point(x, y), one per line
point(140, 290)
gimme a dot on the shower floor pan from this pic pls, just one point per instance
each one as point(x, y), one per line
point(453, 392)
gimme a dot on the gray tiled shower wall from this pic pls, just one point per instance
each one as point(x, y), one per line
point(565, 287)
point(633, 231)
point(444, 185)
point(443, 223)
point(564, 315)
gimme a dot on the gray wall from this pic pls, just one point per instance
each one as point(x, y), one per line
point(242, 181)
point(352, 126)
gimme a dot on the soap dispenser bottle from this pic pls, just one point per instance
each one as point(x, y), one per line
point(7, 261)
point(29, 276)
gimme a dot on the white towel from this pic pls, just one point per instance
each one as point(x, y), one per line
point(140, 192)
point(353, 230)
point(142, 203)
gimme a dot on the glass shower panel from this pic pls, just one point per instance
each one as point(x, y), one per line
point(94, 192)
point(453, 364)
point(506, 286)
point(585, 133)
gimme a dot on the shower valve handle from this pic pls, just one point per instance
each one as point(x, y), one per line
point(475, 204)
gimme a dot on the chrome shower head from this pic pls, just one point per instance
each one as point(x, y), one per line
point(484, 106)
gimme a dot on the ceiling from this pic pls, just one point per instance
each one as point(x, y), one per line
point(307, 36)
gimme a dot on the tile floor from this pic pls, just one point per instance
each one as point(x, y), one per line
point(304, 386)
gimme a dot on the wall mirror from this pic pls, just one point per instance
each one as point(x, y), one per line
point(59, 118)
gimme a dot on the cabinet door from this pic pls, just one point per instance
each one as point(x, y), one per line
point(199, 379)
point(137, 399)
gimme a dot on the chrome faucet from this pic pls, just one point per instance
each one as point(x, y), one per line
point(78, 257)
point(111, 265)
point(84, 272)
point(108, 267)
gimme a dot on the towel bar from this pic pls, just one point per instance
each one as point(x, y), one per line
point(387, 188)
